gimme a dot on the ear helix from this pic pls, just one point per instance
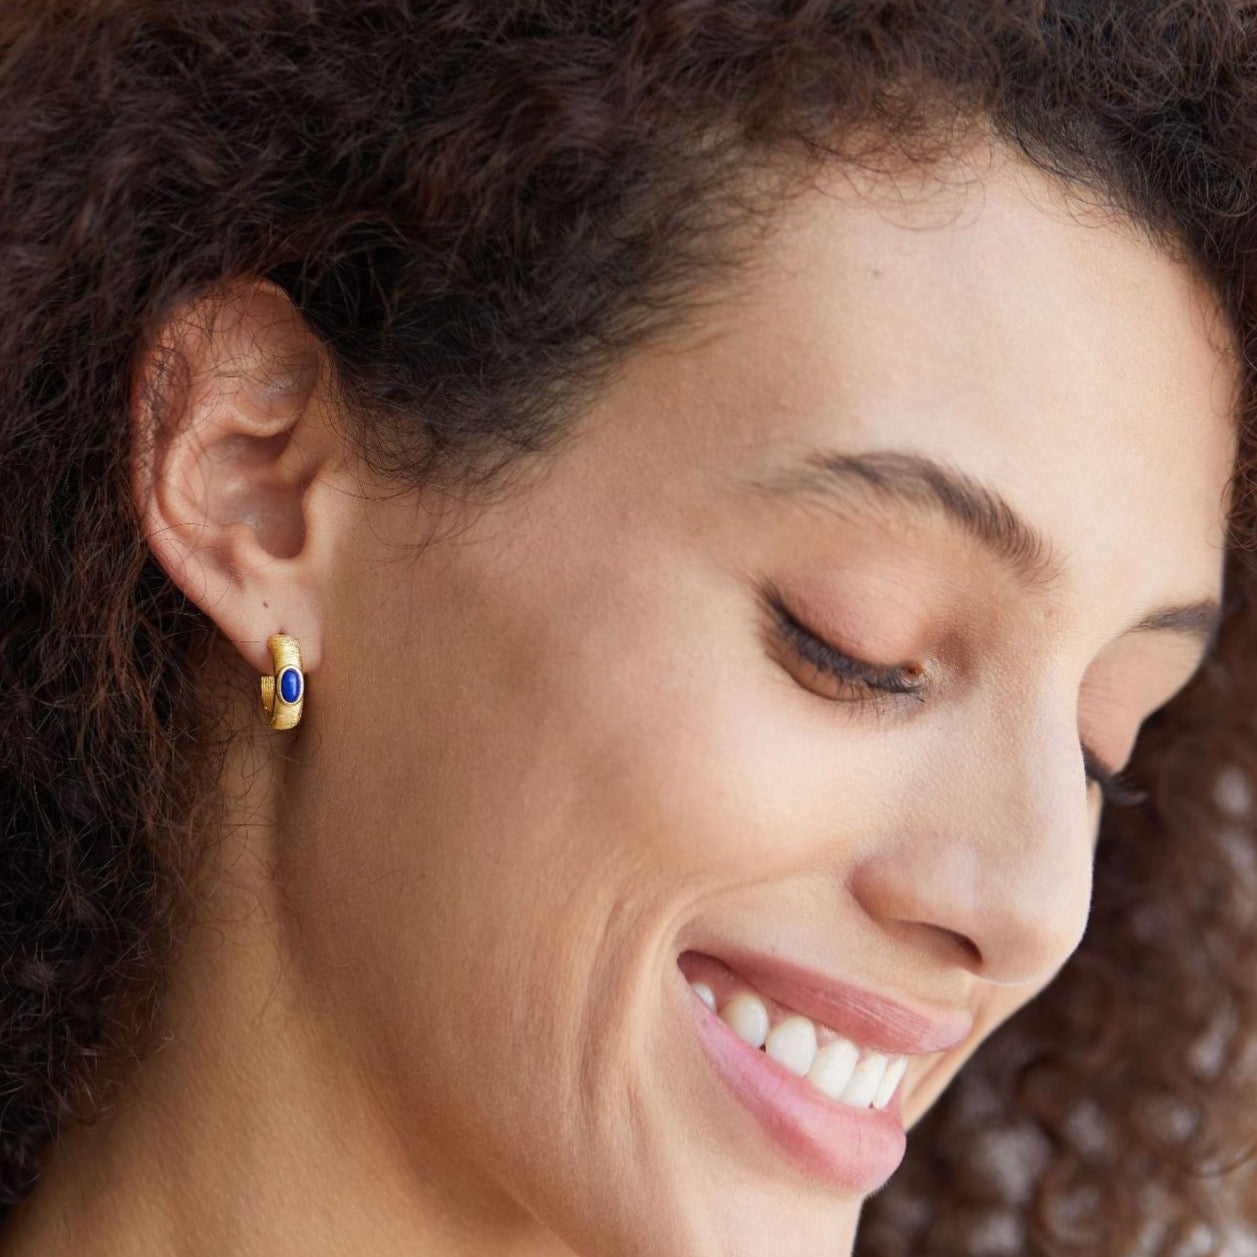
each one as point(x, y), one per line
point(284, 691)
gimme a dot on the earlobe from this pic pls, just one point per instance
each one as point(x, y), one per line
point(232, 437)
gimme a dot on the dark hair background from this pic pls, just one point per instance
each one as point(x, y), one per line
point(479, 207)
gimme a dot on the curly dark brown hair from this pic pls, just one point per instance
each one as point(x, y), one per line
point(480, 207)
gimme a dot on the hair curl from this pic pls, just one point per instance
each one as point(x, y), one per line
point(479, 207)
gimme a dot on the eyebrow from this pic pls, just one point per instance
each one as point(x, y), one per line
point(904, 478)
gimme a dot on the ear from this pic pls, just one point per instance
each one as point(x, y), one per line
point(233, 449)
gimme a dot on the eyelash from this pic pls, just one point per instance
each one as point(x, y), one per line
point(874, 684)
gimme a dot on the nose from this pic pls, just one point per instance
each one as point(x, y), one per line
point(989, 848)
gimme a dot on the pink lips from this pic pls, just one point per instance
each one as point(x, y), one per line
point(856, 1150)
point(872, 1021)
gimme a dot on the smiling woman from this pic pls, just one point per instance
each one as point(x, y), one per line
point(720, 496)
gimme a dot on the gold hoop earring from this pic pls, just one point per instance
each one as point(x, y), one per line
point(284, 691)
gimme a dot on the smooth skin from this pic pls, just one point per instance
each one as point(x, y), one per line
point(431, 1004)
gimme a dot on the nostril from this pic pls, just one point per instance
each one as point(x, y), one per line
point(964, 944)
point(948, 946)
point(953, 946)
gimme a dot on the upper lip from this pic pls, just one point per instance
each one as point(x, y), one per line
point(868, 1019)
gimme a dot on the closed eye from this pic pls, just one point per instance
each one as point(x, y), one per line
point(1116, 789)
point(864, 682)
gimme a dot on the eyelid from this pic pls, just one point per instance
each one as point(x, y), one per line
point(905, 680)
point(1116, 788)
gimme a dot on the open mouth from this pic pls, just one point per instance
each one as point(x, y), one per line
point(853, 1074)
point(827, 1094)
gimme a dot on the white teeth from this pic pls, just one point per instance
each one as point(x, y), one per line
point(747, 1017)
point(865, 1080)
point(832, 1069)
point(890, 1080)
point(705, 993)
point(793, 1044)
point(839, 1070)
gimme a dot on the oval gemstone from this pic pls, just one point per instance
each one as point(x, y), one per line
point(290, 685)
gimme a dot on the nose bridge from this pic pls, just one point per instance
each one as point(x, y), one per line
point(994, 843)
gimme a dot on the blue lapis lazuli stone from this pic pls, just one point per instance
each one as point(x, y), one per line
point(290, 685)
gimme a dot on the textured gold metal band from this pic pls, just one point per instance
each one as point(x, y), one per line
point(285, 655)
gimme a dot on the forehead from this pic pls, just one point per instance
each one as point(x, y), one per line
point(994, 321)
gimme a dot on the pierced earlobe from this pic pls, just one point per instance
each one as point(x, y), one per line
point(284, 691)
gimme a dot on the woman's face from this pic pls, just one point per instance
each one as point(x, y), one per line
point(565, 753)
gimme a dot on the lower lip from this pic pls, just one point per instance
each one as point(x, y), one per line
point(856, 1150)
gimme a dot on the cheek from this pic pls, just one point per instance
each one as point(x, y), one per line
point(558, 761)
point(572, 744)
point(711, 752)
